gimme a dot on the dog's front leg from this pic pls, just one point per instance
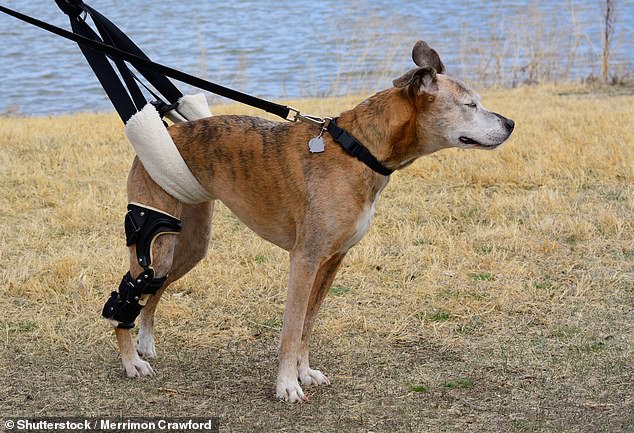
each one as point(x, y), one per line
point(302, 277)
point(322, 283)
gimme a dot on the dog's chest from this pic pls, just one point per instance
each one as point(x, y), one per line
point(363, 222)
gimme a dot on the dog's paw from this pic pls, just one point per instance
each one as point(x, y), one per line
point(313, 377)
point(290, 391)
point(137, 368)
point(145, 346)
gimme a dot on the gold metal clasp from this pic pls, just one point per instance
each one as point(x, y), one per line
point(294, 115)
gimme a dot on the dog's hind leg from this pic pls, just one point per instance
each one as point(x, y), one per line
point(323, 281)
point(143, 190)
point(191, 247)
point(145, 345)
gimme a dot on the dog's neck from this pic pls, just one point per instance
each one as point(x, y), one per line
point(385, 123)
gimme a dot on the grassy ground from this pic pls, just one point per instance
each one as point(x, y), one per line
point(493, 292)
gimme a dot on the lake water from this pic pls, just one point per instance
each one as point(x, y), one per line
point(287, 49)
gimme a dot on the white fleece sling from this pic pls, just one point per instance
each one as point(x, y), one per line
point(158, 153)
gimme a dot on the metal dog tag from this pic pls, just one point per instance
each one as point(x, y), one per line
point(316, 145)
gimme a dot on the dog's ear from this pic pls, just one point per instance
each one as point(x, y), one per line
point(424, 55)
point(419, 80)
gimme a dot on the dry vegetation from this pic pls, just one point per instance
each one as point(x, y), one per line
point(494, 291)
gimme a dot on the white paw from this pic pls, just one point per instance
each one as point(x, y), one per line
point(145, 346)
point(313, 377)
point(137, 368)
point(289, 390)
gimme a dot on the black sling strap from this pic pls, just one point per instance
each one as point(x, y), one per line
point(126, 74)
point(143, 63)
point(122, 41)
point(126, 97)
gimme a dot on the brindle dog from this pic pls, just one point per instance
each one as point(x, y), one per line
point(316, 206)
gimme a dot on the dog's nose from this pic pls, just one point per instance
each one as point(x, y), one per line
point(508, 123)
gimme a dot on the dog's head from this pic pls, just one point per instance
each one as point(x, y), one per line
point(449, 114)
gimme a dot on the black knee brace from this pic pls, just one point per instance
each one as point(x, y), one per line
point(142, 227)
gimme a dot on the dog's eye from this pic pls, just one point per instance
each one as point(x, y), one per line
point(471, 105)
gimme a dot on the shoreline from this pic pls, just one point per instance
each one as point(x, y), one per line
point(228, 106)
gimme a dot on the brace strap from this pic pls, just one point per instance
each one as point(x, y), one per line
point(143, 226)
point(123, 307)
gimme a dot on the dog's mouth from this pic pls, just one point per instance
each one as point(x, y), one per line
point(467, 140)
point(471, 142)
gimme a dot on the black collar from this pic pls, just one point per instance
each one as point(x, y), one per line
point(356, 149)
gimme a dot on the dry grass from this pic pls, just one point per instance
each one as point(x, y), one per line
point(493, 292)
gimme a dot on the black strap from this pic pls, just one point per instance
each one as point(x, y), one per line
point(356, 149)
point(105, 73)
point(143, 225)
point(115, 37)
point(72, 8)
point(127, 75)
point(126, 97)
point(146, 65)
point(123, 306)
